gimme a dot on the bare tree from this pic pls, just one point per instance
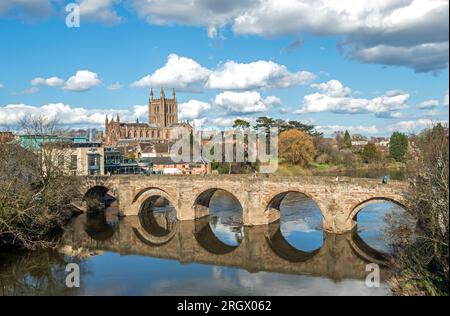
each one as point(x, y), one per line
point(35, 189)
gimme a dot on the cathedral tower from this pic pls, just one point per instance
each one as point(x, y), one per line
point(162, 112)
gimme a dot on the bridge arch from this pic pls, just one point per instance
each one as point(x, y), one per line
point(376, 199)
point(202, 201)
point(148, 194)
point(273, 210)
point(97, 198)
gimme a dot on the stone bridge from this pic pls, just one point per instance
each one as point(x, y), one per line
point(260, 197)
point(263, 247)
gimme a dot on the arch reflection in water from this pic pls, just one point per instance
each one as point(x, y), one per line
point(158, 220)
point(300, 221)
point(225, 216)
point(371, 222)
point(98, 228)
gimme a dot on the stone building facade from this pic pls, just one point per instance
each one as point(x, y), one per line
point(162, 119)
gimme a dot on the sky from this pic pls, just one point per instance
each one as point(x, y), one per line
point(372, 67)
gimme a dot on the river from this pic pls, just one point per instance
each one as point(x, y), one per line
point(156, 255)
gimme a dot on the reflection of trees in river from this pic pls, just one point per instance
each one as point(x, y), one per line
point(35, 273)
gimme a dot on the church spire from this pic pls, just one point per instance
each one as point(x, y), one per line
point(162, 94)
point(118, 118)
point(106, 120)
point(151, 93)
point(173, 94)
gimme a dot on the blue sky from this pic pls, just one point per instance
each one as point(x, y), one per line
point(328, 63)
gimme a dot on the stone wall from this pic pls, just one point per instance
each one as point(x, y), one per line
point(259, 196)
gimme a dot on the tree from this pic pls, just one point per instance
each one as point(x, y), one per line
point(370, 153)
point(296, 147)
point(35, 189)
point(265, 122)
point(421, 250)
point(347, 140)
point(241, 124)
point(398, 146)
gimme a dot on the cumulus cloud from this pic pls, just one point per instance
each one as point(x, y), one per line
point(83, 80)
point(245, 102)
point(414, 126)
point(179, 72)
point(428, 104)
point(335, 97)
point(11, 114)
point(446, 99)
point(188, 75)
point(51, 82)
point(332, 88)
point(259, 74)
point(411, 33)
point(192, 109)
point(354, 129)
point(99, 10)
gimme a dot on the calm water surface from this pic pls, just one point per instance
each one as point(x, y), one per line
point(153, 254)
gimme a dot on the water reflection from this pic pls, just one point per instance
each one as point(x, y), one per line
point(157, 255)
point(372, 226)
point(226, 218)
point(301, 222)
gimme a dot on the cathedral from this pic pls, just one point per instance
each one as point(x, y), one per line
point(162, 118)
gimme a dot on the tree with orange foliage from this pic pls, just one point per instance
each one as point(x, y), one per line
point(296, 147)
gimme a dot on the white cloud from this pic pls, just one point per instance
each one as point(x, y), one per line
point(179, 72)
point(245, 102)
point(334, 97)
point(428, 104)
point(413, 126)
point(445, 102)
point(411, 33)
point(83, 80)
point(115, 86)
point(332, 88)
point(11, 114)
point(188, 75)
point(99, 10)
point(192, 109)
point(51, 82)
point(258, 74)
point(358, 129)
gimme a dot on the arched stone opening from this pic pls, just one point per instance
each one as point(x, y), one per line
point(97, 198)
point(300, 219)
point(224, 213)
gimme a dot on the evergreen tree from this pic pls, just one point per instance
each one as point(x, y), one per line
point(398, 145)
point(347, 140)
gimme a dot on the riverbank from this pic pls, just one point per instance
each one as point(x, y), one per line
point(395, 170)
